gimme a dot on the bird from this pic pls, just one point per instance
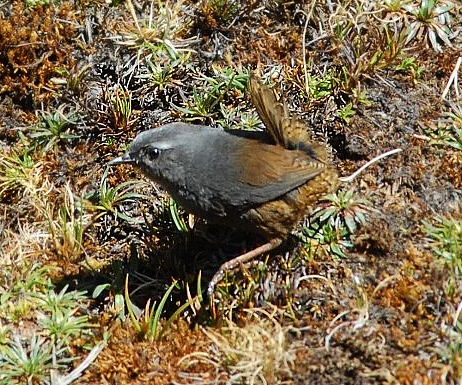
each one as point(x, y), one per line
point(262, 182)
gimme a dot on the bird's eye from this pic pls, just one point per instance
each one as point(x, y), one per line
point(153, 153)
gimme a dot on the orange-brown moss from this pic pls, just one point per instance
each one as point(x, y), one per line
point(125, 360)
point(452, 166)
point(34, 44)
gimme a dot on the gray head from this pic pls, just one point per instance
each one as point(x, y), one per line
point(163, 153)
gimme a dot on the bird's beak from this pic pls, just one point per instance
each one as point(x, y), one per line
point(125, 158)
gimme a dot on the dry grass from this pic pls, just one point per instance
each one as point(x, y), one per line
point(261, 352)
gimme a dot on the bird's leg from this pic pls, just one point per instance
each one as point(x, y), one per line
point(238, 261)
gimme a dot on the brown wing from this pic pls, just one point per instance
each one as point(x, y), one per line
point(271, 171)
